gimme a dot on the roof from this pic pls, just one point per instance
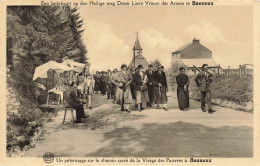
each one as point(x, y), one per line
point(139, 60)
point(195, 41)
point(182, 48)
point(76, 66)
point(72, 63)
point(137, 45)
point(199, 62)
point(41, 71)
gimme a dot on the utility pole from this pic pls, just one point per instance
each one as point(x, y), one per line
point(134, 49)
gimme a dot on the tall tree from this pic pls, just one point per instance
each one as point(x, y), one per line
point(37, 34)
point(77, 50)
point(156, 62)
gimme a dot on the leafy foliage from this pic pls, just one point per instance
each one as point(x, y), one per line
point(155, 63)
point(36, 35)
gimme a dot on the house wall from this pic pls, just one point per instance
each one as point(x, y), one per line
point(176, 57)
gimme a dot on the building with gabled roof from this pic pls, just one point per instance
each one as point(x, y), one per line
point(193, 55)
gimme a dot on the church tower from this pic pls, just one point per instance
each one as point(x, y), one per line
point(137, 50)
point(138, 58)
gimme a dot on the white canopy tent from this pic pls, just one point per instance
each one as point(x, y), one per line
point(41, 71)
point(76, 66)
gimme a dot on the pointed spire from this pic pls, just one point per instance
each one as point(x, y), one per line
point(137, 44)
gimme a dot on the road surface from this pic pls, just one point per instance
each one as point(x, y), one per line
point(150, 133)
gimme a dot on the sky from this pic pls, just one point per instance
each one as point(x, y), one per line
point(110, 33)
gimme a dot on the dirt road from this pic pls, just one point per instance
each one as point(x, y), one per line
point(151, 133)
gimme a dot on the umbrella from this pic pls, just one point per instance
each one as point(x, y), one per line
point(41, 71)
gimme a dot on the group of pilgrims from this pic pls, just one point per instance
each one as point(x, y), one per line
point(138, 86)
point(133, 85)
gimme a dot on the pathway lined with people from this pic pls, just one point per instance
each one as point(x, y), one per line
point(150, 133)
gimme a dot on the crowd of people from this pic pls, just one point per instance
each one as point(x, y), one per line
point(135, 85)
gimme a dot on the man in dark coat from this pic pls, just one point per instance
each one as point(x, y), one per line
point(97, 82)
point(103, 85)
point(182, 91)
point(71, 100)
point(149, 74)
point(203, 81)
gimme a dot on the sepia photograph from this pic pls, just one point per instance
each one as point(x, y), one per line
point(106, 80)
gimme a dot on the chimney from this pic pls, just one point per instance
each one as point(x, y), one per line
point(196, 41)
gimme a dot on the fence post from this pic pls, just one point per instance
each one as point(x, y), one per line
point(240, 72)
point(218, 68)
point(228, 71)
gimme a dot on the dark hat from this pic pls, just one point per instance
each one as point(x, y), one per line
point(123, 65)
point(204, 65)
point(140, 66)
point(181, 68)
point(114, 70)
point(159, 66)
point(150, 66)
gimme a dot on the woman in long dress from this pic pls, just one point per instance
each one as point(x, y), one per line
point(183, 89)
point(141, 80)
point(123, 92)
point(114, 84)
point(88, 90)
point(160, 88)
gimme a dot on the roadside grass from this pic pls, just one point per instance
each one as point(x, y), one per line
point(229, 91)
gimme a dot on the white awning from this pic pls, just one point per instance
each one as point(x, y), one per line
point(41, 71)
point(76, 66)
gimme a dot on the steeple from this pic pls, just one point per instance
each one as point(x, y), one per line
point(138, 59)
point(137, 44)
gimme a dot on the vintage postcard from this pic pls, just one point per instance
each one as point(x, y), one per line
point(115, 82)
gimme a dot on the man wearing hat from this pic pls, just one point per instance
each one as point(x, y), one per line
point(71, 100)
point(140, 79)
point(103, 85)
point(203, 81)
point(149, 74)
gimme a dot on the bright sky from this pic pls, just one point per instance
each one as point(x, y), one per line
point(110, 33)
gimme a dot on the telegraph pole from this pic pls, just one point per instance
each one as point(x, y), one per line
point(134, 49)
